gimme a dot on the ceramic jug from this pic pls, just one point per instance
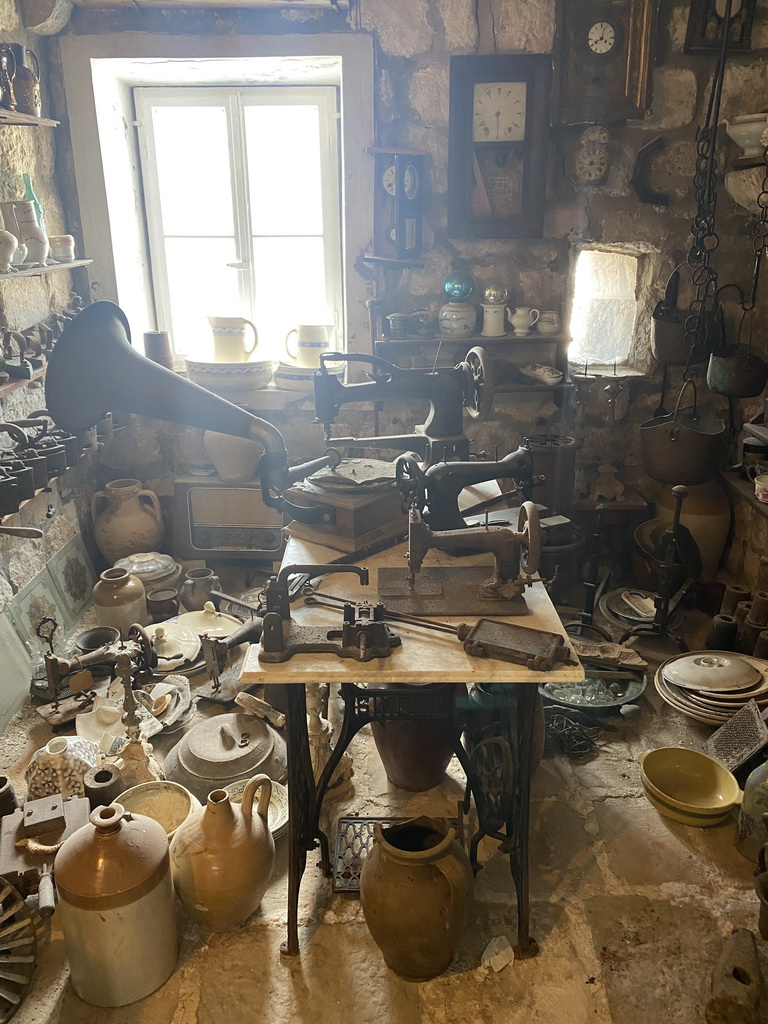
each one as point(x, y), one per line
point(311, 342)
point(9, 220)
point(117, 908)
point(26, 80)
point(131, 520)
point(523, 318)
point(120, 600)
point(229, 338)
point(196, 588)
point(9, 243)
point(416, 891)
point(222, 857)
point(30, 232)
point(548, 322)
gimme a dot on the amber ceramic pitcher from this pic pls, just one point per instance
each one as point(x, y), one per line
point(222, 857)
point(127, 519)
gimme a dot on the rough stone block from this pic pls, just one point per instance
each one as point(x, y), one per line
point(674, 100)
point(459, 24)
point(399, 35)
point(428, 94)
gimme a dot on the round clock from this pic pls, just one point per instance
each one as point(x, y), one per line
point(601, 38)
point(410, 181)
point(592, 159)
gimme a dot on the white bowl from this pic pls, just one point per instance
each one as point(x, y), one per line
point(746, 131)
point(288, 377)
point(234, 381)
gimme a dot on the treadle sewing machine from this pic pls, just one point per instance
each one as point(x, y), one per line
point(449, 391)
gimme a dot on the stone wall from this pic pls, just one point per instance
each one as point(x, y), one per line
point(413, 57)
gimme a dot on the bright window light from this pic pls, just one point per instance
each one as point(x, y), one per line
point(604, 307)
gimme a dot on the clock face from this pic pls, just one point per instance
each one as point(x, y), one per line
point(601, 38)
point(410, 181)
point(498, 111)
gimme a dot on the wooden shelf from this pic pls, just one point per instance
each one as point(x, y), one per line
point(476, 339)
point(533, 389)
point(17, 118)
point(744, 490)
point(41, 271)
point(15, 383)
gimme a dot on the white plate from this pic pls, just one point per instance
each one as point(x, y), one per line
point(209, 621)
point(277, 815)
point(721, 671)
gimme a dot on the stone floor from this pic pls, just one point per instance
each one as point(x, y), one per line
point(630, 911)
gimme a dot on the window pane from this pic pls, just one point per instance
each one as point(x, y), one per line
point(290, 288)
point(200, 285)
point(193, 170)
point(283, 144)
point(604, 307)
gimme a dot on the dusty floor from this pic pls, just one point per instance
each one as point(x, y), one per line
point(630, 911)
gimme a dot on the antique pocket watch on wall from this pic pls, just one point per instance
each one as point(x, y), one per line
point(498, 145)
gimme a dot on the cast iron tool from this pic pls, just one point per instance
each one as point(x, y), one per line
point(216, 651)
point(363, 636)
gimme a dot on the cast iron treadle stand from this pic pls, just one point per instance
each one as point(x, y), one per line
point(492, 792)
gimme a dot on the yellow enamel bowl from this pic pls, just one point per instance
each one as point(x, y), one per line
point(688, 786)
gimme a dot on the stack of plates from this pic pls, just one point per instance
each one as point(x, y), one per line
point(711, 686)
point(290, 377)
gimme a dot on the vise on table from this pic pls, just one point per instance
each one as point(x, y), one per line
point(435, 491)
point(449, 391)
point(364, 634)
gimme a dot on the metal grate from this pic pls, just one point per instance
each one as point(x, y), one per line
point(742, 736)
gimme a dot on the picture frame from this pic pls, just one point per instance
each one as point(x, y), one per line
point(704, 33)
point(497, 159)
point(38, 599)
point(73, 576)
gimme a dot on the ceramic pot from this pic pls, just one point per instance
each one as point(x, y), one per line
point(26, 80)
point(416, 891)
point(130, 521)
point(415, 753)
point(458, 319)
point(30, 232)
point(60, 767)
point(120, 600)
point(523, 319)
point(196, 588)
point(117, 909)
point(753, 833)
point(223, 856)
point(233, 458)
point(548, 322)
point(167, 803)
point(493, 319)
point(103, 785)
point(162, 604)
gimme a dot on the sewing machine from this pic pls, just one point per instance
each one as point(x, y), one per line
point(449, 391)
point(466, 590)
point(435, 491)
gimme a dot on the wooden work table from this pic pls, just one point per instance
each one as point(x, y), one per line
point(424, 657)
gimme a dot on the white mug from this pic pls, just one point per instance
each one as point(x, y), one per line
point(229, 338)
point(761, 487)
point(311, 341)
point(523, 319)
point(548, 322)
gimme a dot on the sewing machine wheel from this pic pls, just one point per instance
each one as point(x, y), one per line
point(478, 395)
point(411, 483)
point(18, 950)
point(528, 525)
point(148, 655)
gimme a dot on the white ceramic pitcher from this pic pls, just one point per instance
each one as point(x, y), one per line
point(523, 318)
point(229, 338)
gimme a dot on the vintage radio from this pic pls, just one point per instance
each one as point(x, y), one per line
point(219, 520)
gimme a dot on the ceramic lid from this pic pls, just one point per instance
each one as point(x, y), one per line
point(174, 643)
point(711, 670)
point(225, 746)
point(147, 565)
point(210, 621)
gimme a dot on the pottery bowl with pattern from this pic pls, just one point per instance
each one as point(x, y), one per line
point(234, 381)
point(688, 786)
point(168, 803)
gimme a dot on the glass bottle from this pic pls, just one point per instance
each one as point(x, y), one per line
point(29, 196)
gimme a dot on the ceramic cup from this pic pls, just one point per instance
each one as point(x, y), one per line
point(311, 342)
point(761, 486)
point(229, 344)
point(548, 322)
point(157, 347)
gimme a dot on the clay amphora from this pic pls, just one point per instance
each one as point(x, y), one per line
point(416, 891)
point(222, 857)
point(131, 521)
point(415, 753)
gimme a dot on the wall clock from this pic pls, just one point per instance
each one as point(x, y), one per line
point(398, 203)
point(592, 158)
point(498, 145)
point(603, 60)
point(706, 21)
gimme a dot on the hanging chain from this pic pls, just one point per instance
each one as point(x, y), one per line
point(705, 239)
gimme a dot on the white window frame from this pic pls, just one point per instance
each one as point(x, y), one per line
point(235, 100)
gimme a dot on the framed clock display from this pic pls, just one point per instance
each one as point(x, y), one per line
point(397, 204)
point(498, 145)
point(706, 20)
point(603, 60)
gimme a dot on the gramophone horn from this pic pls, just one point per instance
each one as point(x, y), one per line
point(93, 369)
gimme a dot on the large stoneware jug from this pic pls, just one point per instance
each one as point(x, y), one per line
point(222, 857)
point(126, 519)
point(416, 890)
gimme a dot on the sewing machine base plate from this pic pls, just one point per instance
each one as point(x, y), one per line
point(444, 590)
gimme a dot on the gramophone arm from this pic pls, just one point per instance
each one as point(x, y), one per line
point(275, 476)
